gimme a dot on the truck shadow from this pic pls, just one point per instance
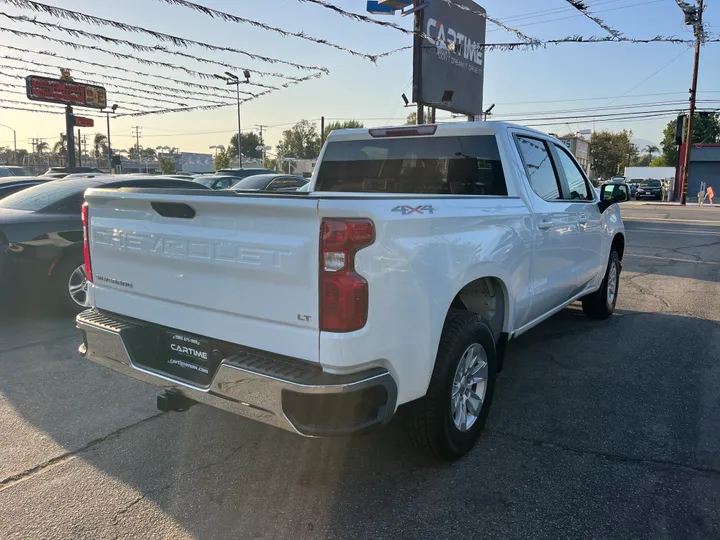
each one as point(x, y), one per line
point(577, 403)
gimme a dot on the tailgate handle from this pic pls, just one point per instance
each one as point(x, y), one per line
point(174, 210)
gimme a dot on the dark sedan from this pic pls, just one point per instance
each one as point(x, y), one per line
point(12, 170)
point(62, 172)
point(41, 238)
point(13, 184)
point(244, 173)
point(270, 182)
point(216, 181)
point(649, 188)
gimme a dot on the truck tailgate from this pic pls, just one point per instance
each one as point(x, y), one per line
point(242, 269)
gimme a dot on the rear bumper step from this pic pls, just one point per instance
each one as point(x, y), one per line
point(280, 391)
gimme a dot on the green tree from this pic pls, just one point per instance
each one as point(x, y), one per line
point(250, 142)
point(643, 161)
point(270, 163)
point(347, 124)
point(167, 165)
point(148, 153)
point(134, 152)
point(706, 130)
point(651, 149)
point(300, 142)
point(612, 152)
point(99, 146)
point(411, 119)
point(39, 147)
point(222, 160)
point(60, 146)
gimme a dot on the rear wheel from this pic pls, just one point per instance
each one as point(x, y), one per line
point(601, 304)
point(448, 421)
point(71, 285)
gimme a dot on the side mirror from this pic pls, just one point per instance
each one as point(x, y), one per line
point(613, 193)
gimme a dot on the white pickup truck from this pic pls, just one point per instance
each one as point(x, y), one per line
point(399, 277)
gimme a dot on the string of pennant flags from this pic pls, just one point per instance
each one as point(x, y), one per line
point(211, 97)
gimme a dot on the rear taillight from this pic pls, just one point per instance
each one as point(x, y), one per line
point(343, 292)
point(86, 241)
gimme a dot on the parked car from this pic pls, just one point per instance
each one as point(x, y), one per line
point(216, 181)
point(13, 184)
point(270, 182)
point(323, 314)
point(87, 175)
point(11, 170)
point(41, 236)
point(650, 188)
point(244, 173)
point(62, 172)
point(634, 184)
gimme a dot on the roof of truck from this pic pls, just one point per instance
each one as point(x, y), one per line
point(449, 128)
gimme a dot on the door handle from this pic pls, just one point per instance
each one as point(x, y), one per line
point(545, 224)
point(583, 219)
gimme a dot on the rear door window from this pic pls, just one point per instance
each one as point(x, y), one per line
point(577, 185)
point(539, 167)
point(424, 165)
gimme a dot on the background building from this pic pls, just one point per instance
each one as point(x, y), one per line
point(704, 167)
point(580, 148)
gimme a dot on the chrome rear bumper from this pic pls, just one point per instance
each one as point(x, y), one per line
point(279, 391)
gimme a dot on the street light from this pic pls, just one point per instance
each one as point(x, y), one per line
point(14, 141)
point(217, 147)
point(231, 78)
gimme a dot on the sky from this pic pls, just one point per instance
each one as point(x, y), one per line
point(525, 86)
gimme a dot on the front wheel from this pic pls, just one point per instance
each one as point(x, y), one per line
point(448, 421)
point(601, 304)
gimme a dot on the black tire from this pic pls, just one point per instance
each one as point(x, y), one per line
point(599, 305)
point(433, 427)
point(60, 285)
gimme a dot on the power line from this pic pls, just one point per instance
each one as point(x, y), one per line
point(651, 75)
point(228, 17)
point(126, 70)
point(157, 63)
point(119, 92)
point(599, 11)
point(582, 8)
point(155, 92)
point(168, 38)
point(388, 24)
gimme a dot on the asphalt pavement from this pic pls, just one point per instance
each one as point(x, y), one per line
point(598, 430)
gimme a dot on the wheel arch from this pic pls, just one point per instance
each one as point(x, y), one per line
point(618, 244)
point(488, 297)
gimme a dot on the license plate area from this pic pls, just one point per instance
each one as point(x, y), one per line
point(179, 355)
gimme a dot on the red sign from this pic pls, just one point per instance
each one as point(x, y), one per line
point(65, 92)
point(81, 121)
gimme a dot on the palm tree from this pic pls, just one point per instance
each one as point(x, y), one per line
point(39, 147)
point(60, 147)
point(652, 149)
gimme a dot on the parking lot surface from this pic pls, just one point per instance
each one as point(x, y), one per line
point(598, 430)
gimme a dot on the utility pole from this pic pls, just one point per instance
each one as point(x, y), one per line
point(696, 21)
point(79, 157)
point(322, 130)
point(136, 129)
point(70, 143)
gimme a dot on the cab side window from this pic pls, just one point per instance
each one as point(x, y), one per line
point(577, 184)
point(539, 168)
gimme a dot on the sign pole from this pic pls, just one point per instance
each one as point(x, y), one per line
point(417, 62)
point(79, 156)
point(70, 143)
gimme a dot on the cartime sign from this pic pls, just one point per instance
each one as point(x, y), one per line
point(449, 67)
